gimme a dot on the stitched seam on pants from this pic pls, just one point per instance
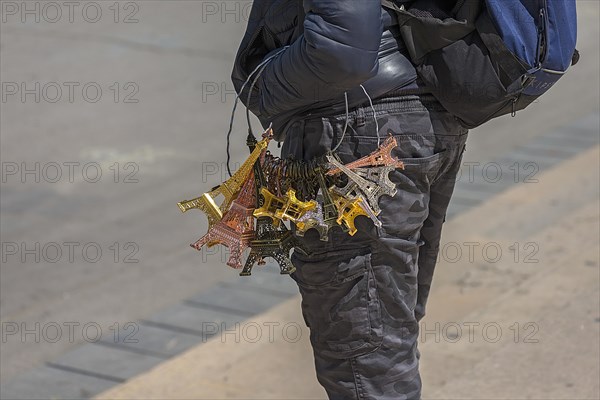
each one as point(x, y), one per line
point(357, 383)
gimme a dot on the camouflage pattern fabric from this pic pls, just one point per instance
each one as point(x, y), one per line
point(364, 295)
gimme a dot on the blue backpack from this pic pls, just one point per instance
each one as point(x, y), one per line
point(486, 58)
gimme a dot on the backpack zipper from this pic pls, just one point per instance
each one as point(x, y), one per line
point(542, 47)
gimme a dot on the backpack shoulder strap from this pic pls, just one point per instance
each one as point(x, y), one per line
point(403, 15)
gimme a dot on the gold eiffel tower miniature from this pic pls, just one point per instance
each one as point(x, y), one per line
point(287, 208)
point(206, 204)
point(227, 189)
point(382, 156)
point(348, 210)
point(236, 229)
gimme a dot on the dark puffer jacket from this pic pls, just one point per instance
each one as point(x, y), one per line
point(334, 46)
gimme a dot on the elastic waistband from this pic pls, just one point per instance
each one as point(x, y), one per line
point(392, 102)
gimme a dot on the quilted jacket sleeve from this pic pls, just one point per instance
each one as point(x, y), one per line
point(338, 50)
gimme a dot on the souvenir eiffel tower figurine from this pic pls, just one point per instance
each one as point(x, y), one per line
point(236, 229)
point(276, 244)
point(330, 211)
point(324, 217)
point(349, 209)
point(382, 156)
point(381, 175)
point(228, 189)
point(206, 204)
point(313, 219)
point(287, 208)
point(357, 185)
point(269, 241)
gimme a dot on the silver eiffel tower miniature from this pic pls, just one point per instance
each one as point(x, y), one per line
point(372, 191)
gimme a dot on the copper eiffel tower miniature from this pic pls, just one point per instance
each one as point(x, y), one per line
point(269, 241)
point(236, 229)
point(382, 156)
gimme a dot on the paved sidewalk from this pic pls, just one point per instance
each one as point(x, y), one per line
point(534, 316)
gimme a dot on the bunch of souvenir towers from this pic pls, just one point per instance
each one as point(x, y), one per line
point(251, 216)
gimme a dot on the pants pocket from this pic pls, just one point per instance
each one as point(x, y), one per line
point(340, 302)
point(404, 214)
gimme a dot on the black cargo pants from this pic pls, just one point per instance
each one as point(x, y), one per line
point(363, 295)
